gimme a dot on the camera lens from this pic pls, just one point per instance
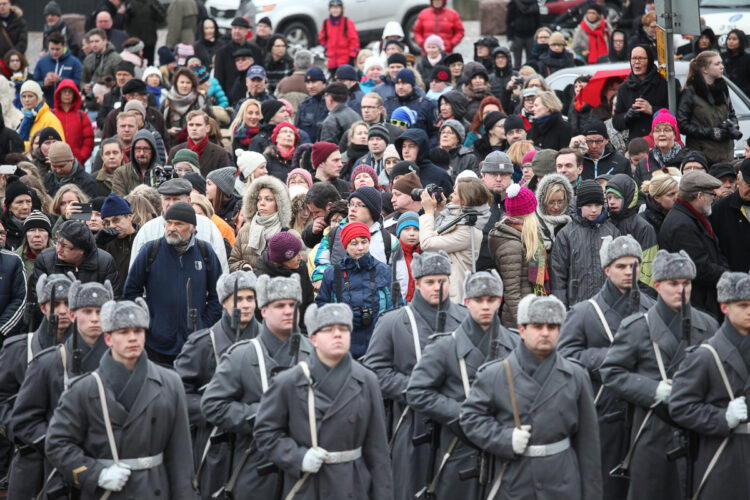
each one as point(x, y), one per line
point(416, 194)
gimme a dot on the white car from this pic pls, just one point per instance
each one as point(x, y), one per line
point(300, 22)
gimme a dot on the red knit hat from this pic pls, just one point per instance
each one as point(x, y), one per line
point(321, 151)
point(278, 128)
point(519, 201)
point(354, 230)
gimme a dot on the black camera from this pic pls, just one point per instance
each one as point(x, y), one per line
point(432, 190)
point(365, 315)
point(518, 80)
point(733, 130)
point(161, 174)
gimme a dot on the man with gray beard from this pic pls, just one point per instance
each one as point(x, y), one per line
point(162, 269)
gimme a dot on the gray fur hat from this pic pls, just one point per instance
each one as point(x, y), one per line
point(268, 289)
point(733, 287)
point(673, 266)
point(622, 246)
point(91, 294)
point(225, 283)
point(125, 314)
point(317, 318)
point(483, 283)
point(429, 263)
point(546, 310)
point(44, 287)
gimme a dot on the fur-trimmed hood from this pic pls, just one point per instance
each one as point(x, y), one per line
point(541, 191)
point(281, 193)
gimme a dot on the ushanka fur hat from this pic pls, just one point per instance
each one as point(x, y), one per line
point(317, 318)
point(268, 289)
point(543, 310)
point(90, 294)
point(44, 286)
point(225, 283)
point(483, 284)
point(673, 266)
point(429, 263)
point(733, 287)
point(622, 246)
point(125, 314)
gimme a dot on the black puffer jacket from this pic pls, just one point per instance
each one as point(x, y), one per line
point(737, 63)
point(500, 77)
point(97, 266)
point(550, 62)
point(552, 133)
point(610, 162)
point(654, 214)
point(10, 141)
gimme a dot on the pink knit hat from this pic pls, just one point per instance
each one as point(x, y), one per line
point(364, 169)
point(304, 173)
point(519, 201)
point(435, 40)
point(529, 156)
point(664, 116)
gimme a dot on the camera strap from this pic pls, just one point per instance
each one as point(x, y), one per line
point(341, 277)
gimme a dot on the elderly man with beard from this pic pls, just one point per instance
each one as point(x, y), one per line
point(170, 262)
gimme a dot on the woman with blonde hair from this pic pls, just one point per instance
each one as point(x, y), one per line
point(517, 246)
point(553, 195)
point(661, 193)
point(151, 194)
point(516, 152)
point(143, 210)
point(470, 193)
point(204, 207)
point(549, 129)
point(65, 203)
point(246, 124)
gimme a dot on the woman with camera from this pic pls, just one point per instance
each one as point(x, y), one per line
point(705, 114)
point(444, 226)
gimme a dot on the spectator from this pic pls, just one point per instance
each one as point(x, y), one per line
point(284, 140)
point(540, 46)
point(694, 161)
point(75, 251)
point(220, 192)
point(497, 172)
point(503, 74)
point(319, 200)
point(392, 32)
point(726, 173)
point(641, 95)
point(112, 158)
point(59, 64)
point(37, 235)
point(402, 201)
point(149, 273)
point(483, 52)
point(521, 20)
point(645, 34)
point(225, 69)
point(149, 115)
point(99, 63)
point(600, 157)
point(119, 232)
point(413, 145)
point(476, 86)
point(592, 34)
point(143, 17)
point(54, 24)
point(211, 156)
point(37, 114)
point(267, 210)
point(140, 168)
point(182, 20)
point(462, 242)
point(181, 99)
point(274, 112)
point(339, 37)
point(686, 227)
point(618, 48)
point(116, 37)
point(132, 51)
point(438, 19)
point(12, 291)
point(347, 74)
point(246, 124)
point(16, 33)
point(263, 30)
point(407, 232)
point(705, 114)
point(660, 193)
point(387, 87)
point(76, 123)
point(278, 64)
point(252, 87)
point(667, 152)
point(730, 224)
point(494, 138)
point(124, 73)
point(10, 141)
point(210, 87)
point(65, 204)
point(434, 47)
point(18, 206)
point(476, 129)
point(706, 41)
point(356, 147)
point(314, 109)
point(292, 88)
point(455, 63)
point(450, 139)
point(737, 60)
point(549, 131)
point(556, 57)
point(167, 64)
point(406, 96)
point(301, 215)
point(111, 6)
point(326, 162)
point(203, 207)
point(340, 116)
point(554, 195)
point(65, 169)
point(207, 42)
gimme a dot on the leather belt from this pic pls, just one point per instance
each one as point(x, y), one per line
point(742, 429)
point(544, 450)
point(141, 463)
point(340, 457)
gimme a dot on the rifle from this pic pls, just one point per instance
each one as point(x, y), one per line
point(192, 313)
point(441, 314)
point(294, 341)
point(75, 367)
point(685, 319)
point(635, 292)
point(226, 492)
point(52, 319)
point(395, 285)
point(236, 313)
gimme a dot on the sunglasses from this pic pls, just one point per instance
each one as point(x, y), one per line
point(399, 123)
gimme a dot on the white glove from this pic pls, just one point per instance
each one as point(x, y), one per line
point(114, 477)
point(736, 412)
point(663, 390)
point(313, 459)
point(521, 438)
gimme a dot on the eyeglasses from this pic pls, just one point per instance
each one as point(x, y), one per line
point(368, 107)
point(595, 141)
point(638, 59)
point(357, 205)
point(664, 130)
point(709, 193)
point(399, 123)
point(557, 45)
point(61, 244)
point(141, 150)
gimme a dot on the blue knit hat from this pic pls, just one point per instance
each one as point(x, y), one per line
point(407, 219)
point(115, 205)
point(346, 72)
point(315, 74)
point(371, 198)
point(165, 55)
point(405, 114)
point(406, 76)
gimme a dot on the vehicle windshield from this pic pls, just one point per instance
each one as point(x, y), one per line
point(725, 4)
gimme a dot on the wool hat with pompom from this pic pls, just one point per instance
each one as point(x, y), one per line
point(519, 201)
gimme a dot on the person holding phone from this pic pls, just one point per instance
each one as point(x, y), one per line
point(65, 169)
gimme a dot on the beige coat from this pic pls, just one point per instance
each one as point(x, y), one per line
point(456, 243)
point(508, 252)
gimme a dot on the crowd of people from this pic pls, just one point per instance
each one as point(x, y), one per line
point(226, 266)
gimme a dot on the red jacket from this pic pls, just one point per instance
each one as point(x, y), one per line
point(341, 41)
point(79, 133)
point(448, 24)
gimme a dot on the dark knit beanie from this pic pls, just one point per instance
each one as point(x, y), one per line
point(48, 133)
point(371, 198)
point(491, 120)
point(181, 211)
point(513, 122)
point(589, 191)
point(115, 205)
point(403, 168)
point(15, 188)
point(321, 151)
point(37, 219)
point(397, 58)
point(197, 180)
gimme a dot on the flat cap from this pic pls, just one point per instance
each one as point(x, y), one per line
point(175, 187)
point(695, 181)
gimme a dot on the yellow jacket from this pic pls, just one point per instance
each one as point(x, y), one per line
point(45, 118)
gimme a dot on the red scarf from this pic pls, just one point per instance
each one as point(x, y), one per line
point(700, 216)
point(286, 156)
point(409, 251)
point(198, 148)
point(597, 40)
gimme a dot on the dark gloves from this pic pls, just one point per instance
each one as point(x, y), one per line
point(631, 115)
point(106, 235)
point(731, 128)
point(719, 134)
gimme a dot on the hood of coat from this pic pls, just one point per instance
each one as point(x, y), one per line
point(302, 157)
point(458, 102)
point(280, 193)
point(508, 69)
point(148, 137)
point(472, 69)
point(488, 41)
point(545, 183)
point(418, 136)
point(709, 33)
point(68, 84)
point(627, 187)
point(199, 33)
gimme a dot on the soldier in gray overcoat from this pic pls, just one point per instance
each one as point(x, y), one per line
point(196, 365)
point(16, 354)
point(700, 400)
point(395, 347)
point(231, 399)
point(534, 413)
point(437, 386)
point(148, 453)
point(342, 451)
point(646, 352)
point(586, 336)
point(47, 376)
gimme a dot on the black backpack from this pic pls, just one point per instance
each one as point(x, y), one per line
point(153, 249)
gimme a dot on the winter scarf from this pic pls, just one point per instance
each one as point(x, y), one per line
point(245, 134)
point(29, 116)
point(59, 181)
point(287, 157)
point(198, 148)
point(180, 104)
point(700, 216)
point(262, 227)
point(597, 39)
point(409, 252)
point(156, 91)
point(537, 269)
point(662, 159)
